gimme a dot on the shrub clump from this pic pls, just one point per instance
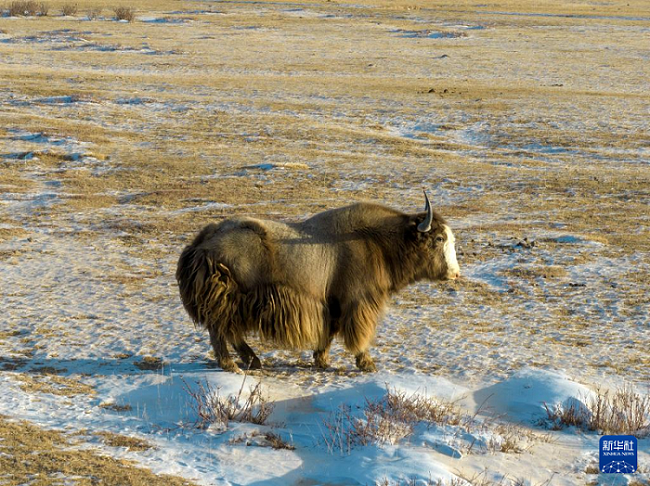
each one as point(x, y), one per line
point(625, 412)
point(69, 9)
point(211, 408)
point(93, 13)
point(387, 421)
point(27, 8)
point(263, 439)
point(395, 416)
point(124, 13)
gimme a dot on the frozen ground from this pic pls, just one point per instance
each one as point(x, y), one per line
point(528, 125)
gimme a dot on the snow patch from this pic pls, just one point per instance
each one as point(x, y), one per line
point(427, 34)
point(522, 396)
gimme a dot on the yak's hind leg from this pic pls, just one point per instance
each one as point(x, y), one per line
point(247, 355)
point(321, 354)
point(221, 352)
point(359, 322)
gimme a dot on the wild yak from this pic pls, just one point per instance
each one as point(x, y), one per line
point(301, 284)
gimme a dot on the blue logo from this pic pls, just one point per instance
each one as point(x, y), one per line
point(618, 454)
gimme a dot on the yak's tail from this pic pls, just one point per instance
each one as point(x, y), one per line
point(200, 282)
point(207, 289)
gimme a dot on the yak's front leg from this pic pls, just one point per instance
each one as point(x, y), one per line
point(247, 355)
point(221, 352)
point(365, 362)
point(359, 322)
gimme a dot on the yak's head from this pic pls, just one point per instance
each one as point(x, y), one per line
point(436, 244)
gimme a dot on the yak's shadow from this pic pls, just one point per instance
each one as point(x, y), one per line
point(99, 367)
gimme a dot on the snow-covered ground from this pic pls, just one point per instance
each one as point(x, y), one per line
point(158, 408)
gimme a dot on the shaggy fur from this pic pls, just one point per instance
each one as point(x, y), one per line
point(299, 285)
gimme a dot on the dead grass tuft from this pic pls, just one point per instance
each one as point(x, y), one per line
point(263, 439)
point(54, 384)
point(49, 370)
point(8, 334)
point(116, 407)
point(213, 409)
point(509, 438)
point(150, 363)
point(482, 479)
point(124, 13)
point(393, 418)
point(385, 421)
point(625, 412)
point(420, 408)
point(69, 9)
point(277, 442)
point(131, 443)
point(23, 8)
point(93, 13)
point(416, 482)
point(12, 364)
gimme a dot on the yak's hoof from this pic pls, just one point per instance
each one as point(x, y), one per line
point(321, 362)
point(229, 366)
point(365, 363)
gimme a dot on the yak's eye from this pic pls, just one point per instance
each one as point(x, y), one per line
point(440, 239)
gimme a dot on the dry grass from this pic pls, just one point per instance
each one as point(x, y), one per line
point(56, 385)
point(32, 455)
point(93, 13)
point(124, 13)
point(417, 482)
point(116, 407)
point(393, 418)
point(624, 412)
point(277, 442)
point(8, 334)
point(263, 439)
point(150, 363)
point(69, 9)
point(12, 364)
point(130, 443)
point(23, 8)
point(482, 479)
point(213, 409)
point(344, 430)
point(479, 479)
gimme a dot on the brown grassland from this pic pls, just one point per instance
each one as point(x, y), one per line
point(47, 457)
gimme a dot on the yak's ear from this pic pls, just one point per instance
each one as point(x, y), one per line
point(413, 232)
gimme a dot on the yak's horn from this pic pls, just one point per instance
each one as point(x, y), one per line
point(425, 226)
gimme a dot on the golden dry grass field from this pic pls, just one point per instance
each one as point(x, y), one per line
point(527, 122)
